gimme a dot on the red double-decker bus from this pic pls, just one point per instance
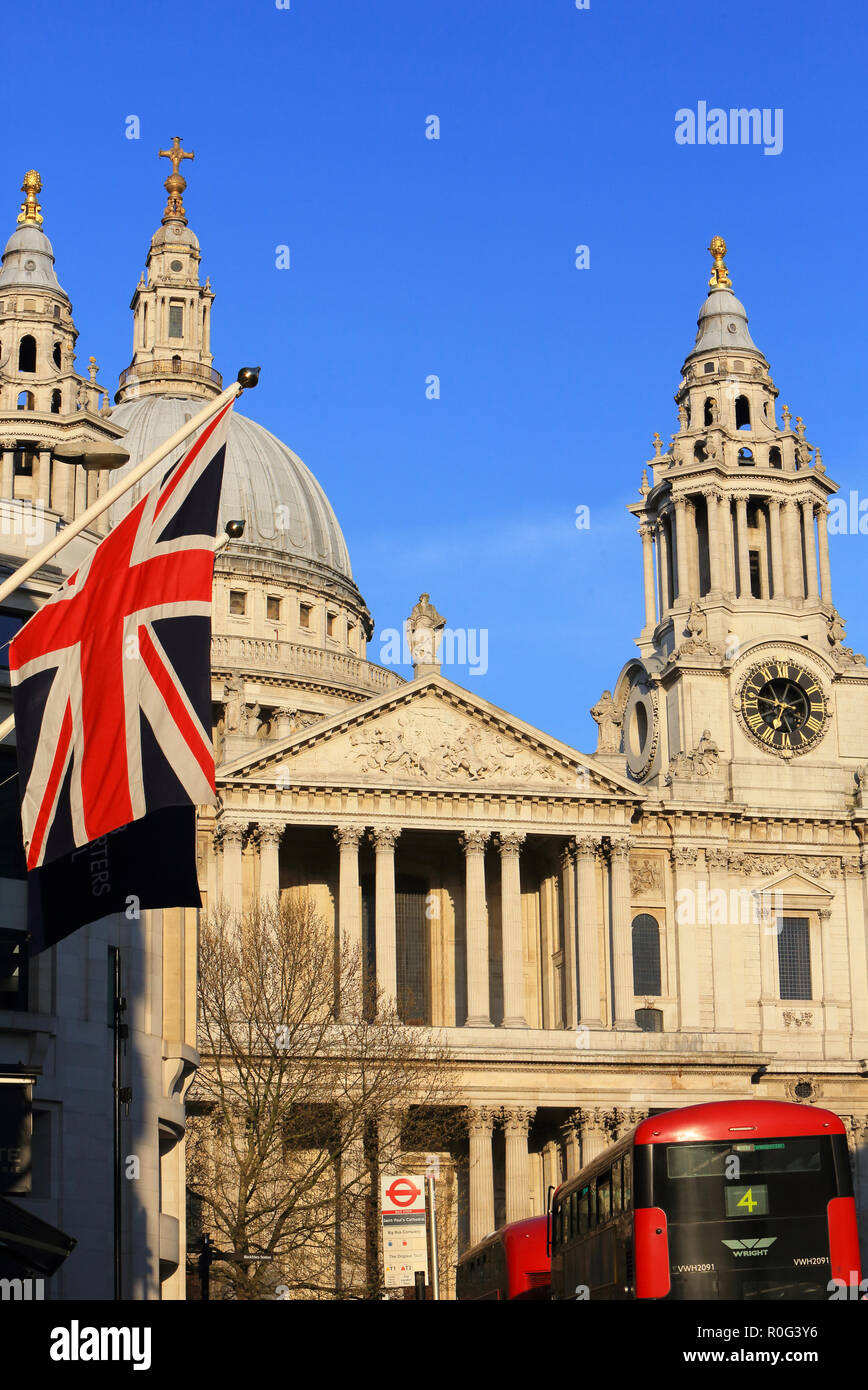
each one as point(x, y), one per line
point(730, 1200)
point(513, 1262)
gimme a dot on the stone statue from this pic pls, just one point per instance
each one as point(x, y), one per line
point(696, 624)
point(233, 704)
point(837, 628)
point(706, 755)
point(608, 716)
point(424, 627)
point(252, 716)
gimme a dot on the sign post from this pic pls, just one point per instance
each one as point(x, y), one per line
point(405, 1235)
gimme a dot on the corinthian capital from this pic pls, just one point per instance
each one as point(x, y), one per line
point(621, 846)
point(683, 856)
point(511, 842)
point(348, 836)
point(517, 1119)
point(385, 837)
point(474, 841)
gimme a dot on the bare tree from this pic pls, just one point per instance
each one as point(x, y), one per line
point(306, 1079)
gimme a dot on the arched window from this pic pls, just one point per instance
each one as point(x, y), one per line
point(775, 457)
point(646, 954)
point(745, 457)
point(25, 400)
point(742, 413)
point(176, 363)
point(699, 452)
point(650, 1020)
point(57, 311)
point(710, 411)
point(55, 354)
point(55, 402)
point(27, 353)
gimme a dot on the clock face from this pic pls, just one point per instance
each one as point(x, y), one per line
point(783, 707)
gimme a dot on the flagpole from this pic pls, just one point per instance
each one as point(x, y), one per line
point(247, 377)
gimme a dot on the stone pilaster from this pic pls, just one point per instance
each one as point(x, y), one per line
point(231, 830)
point(725, 940)
point(622, 938)
point(686, 932)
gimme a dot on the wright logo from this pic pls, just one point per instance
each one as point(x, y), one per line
point(760, 1245)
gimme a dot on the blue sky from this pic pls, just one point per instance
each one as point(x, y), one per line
point(455, 257)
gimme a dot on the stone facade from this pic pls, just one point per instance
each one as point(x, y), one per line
point(676, 917)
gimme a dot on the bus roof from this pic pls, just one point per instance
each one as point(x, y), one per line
point(532, 1227)
point(732, 1120)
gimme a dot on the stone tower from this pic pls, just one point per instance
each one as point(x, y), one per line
point(57, 441)
point(744, 689)
point(171, 309)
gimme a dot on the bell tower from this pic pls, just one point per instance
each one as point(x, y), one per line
point(744, 682)
point(171, 309)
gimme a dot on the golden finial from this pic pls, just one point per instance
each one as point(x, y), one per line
point(658, 445)
point(92, 369)
point(31, 213)
point(175, 183)
point(719, 274)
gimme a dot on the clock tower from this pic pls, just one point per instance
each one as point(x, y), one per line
point(743, 691)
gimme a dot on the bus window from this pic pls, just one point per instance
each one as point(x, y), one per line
point(573, 1223)
point(628, 1185)
point(584, 1211)
point(604, 1197)
point(592, 1203)
point(616, 1187)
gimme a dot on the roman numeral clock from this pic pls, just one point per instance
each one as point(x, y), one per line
point(783, 707)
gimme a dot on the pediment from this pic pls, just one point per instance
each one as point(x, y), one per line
point(430, 733)
point(797, 885)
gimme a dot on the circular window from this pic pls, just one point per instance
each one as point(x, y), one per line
point(177, 265)
point(733, 327)
point(804, 1089)
point(29, 265)
point(638, 733)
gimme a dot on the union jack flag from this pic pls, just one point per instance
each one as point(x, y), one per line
point(112, 681)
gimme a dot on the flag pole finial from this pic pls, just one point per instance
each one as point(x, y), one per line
point(248, 377)
point(175, 183)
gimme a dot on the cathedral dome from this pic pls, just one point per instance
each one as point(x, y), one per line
point(28, 261)
point(286, 512)
point(722, 325)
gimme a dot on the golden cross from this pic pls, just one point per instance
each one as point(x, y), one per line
point(176, 154)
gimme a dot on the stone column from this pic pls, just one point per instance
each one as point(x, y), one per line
point(588, 932)
point(648, 572)
point(622, 938)
point(810, 548)
point(725, 941)
point(385, 838)
point(820, 971)
point(823, 547)
point(686, 930)
point(231, 829)
point(568, 894)
point(778, 586)
point(713, 503)
point(270, 837)
point(42, 491)
point(516, 1123)
point(476, 929)
point(663, 565)
point(855, 894)
point(511, 932)
point(347, 838)
point(763, 526)
point(743, 556)
point(551, 1158)
point(572, 1147)
point(793, 580)
point(595, 1132)
point(480, 1125)
point(692, 548)
point(682, 554)
point(7, 475)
